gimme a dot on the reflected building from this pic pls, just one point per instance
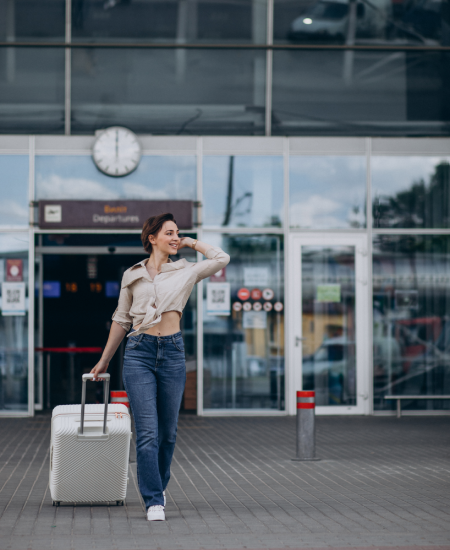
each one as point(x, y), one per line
point(309, 139)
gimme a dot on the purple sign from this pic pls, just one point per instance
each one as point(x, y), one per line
point(110, 214)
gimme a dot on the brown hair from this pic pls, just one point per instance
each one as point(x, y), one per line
point(152, 227)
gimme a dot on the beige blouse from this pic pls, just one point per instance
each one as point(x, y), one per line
point(143, 300)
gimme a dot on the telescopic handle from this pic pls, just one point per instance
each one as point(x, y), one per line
point(90, 376)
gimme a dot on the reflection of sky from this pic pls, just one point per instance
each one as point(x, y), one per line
point(393, 174)
point(324, 191)
point(76, 177)
point(14, 190)
point(13, 242)
point(257, 190)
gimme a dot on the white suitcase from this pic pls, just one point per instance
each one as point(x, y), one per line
point(89, 451)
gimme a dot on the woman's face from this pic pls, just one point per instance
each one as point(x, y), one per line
point(167, 240)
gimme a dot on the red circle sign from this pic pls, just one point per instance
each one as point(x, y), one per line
point(243, 294)
point(256, 294)
point(237, 306)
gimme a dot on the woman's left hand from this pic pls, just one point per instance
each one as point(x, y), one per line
point(185, 242)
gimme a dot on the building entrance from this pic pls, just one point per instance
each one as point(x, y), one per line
point(329, 288)
point(77, 298)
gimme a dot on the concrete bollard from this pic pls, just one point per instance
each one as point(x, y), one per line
point(306, 437)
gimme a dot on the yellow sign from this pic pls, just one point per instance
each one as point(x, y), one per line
point(328, 293)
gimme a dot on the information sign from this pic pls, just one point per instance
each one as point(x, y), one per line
point(254, 319)
point(13, 298)
point(328, 293)
point(218, 299)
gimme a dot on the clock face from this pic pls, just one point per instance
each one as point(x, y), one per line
point(116, 151)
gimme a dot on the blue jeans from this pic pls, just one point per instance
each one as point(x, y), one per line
point(154, 376)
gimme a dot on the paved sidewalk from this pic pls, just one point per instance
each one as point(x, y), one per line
point(382, 482)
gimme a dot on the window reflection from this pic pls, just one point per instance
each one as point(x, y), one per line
point(31, 90)
point(171, 20)
point(358, 93)
point(189, 96)
point(327, 192)
point(362, 22)
point(328, 324)
point(14, 190)
point(243, 191)
point(244, 348)
point(28, 20)
point(411, 192)
point(14, 322)
point(76, 177)
point(411, 338)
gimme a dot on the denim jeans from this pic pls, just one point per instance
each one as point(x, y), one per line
point(154, 376)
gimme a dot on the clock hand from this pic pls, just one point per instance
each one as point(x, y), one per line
point(117, 144)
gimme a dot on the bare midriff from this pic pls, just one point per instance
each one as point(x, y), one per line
point(169, 324)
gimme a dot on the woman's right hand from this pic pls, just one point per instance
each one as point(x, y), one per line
point(99, 368)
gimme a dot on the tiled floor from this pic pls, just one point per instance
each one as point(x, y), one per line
point(381, 482)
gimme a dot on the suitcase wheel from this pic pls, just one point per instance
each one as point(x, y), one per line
point(119, 502)
point(56, 503)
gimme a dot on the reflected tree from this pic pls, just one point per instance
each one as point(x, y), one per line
point(424, 204)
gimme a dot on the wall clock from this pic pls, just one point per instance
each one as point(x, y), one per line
point(116, 151)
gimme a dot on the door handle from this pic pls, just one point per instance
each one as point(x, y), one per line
point(298, 339)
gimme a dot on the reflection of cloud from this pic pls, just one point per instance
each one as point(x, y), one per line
point(316, 211)
point(138, 191)
point(56, 187)
point(12, 212)
point(393, 174)
point(13, 242)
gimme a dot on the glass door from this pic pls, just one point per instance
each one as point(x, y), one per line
point(329, 336)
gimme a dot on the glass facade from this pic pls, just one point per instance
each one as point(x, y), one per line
point(327, 192)
point(32, 90)
point(169, 21)
point(332, 22)
point(411, 192)
point(29, 21)
point(335, 92)
point(339, 67)
point(411, 331)
point(76, 177)
point(14, 185)
point(14, 322)
point(241, 191)
point(189, 96)
point(243, 356)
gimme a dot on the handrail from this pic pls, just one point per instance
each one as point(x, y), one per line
point(399, 398)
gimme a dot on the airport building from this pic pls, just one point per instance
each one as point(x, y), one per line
point(309, 139)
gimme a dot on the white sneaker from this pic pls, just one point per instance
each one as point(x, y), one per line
point(156, 513)
point(164, 495)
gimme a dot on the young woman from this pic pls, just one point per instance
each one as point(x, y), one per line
point(152, 297)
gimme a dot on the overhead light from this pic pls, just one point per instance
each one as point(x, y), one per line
point(307, 21)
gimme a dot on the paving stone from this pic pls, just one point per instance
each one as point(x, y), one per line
point(380, 483)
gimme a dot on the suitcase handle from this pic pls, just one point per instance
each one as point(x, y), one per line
point(90, 376)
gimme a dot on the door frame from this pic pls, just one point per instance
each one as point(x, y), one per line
point(363, 355)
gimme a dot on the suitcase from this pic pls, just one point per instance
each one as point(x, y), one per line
point(89, 451)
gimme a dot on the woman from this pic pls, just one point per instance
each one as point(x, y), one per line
point(152, 297)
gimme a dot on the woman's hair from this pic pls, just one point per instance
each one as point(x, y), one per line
point(152, 227)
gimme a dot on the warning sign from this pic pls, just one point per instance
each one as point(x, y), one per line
point(243, 294)
point(256, 294)
point(268, 294)
point(278, 306)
